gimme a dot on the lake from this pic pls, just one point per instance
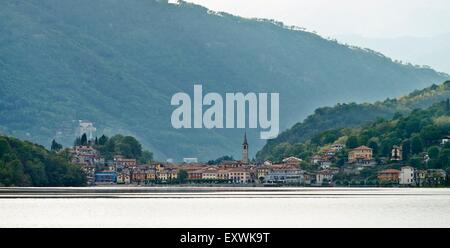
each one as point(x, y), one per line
point(190, 207)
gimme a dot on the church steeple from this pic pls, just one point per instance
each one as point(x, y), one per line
point(245, 150)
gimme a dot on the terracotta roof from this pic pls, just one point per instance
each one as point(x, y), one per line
point(363, 148)
point(390, 171)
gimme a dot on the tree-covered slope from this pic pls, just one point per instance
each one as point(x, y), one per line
point(351, 115)
point(26, 164)
point(117, 63)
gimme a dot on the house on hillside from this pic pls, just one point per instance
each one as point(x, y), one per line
point(396, 153)
point(362, 153)
point(294, 161)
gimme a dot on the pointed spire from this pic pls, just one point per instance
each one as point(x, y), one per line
point(245, 138)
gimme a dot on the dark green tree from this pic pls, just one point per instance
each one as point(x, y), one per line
point(374, 145)
point(406, 149)
point(433, 152)
point(444, 158)
point(55, 146)
point(416, 145)
point(183, 176)
point(146, 157)
point(352, 142)
point(102, 140)
point(84, 140)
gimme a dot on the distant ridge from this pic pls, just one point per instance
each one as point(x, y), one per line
point(117, 64)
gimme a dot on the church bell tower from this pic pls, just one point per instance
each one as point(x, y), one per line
point(245, 150)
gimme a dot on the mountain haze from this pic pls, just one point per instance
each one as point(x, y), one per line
point(118, 63)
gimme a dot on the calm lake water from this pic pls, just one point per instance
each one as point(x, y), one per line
point(224, 207)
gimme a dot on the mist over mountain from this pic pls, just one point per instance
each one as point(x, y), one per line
point(118, 63)
point(432, 51)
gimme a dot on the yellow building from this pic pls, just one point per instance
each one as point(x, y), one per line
point(150, 175)
point(239, 175)
point(210, 174)
point(360, 153)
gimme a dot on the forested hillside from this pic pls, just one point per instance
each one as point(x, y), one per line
point(118, 63)
point(25, 164)
point(351, 115)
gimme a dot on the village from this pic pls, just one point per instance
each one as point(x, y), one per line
point(290, 171)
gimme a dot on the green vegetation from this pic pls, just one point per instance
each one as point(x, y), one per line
point(117, 63)
point(182, 176)
point(126, 146)
point(25, 164)
point(326, 120)
point(220, 160)
point(418, 133)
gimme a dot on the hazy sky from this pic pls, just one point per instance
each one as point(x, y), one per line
point(415, 31)
point(369, 18)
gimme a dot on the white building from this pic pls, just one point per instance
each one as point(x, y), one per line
point(407, 175)
point(324, 176)
point(284, 176)
point(190, 160)
point(86, 127)
point(445, 139)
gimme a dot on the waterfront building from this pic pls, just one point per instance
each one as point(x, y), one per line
point(324, 176)
point(210, 174)
point(124, 177)
point(286, 175)
point(239, 176)
point(389, 175)
point(407, 175)
point(105, 177)
point(223, 174)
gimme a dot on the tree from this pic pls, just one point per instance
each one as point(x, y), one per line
point(5, 148)
point(146, 157)
point(406, 149)
point(183, 176)
point(55, 146)
point(447, 105)
point(416, 162)
point(220, 160)
point(102, 140)
point(433, 152)
point(27, 164)
point(352, 142)
point(430, 133)
point(83, 140)
point(416, 145)
point(444, 158)
point(374, 145)
point(16, 173)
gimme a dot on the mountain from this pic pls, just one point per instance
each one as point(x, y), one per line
point(417, 133)
point(432, 51)
point(118, 63)
point(349, 116)
point(23, 163)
